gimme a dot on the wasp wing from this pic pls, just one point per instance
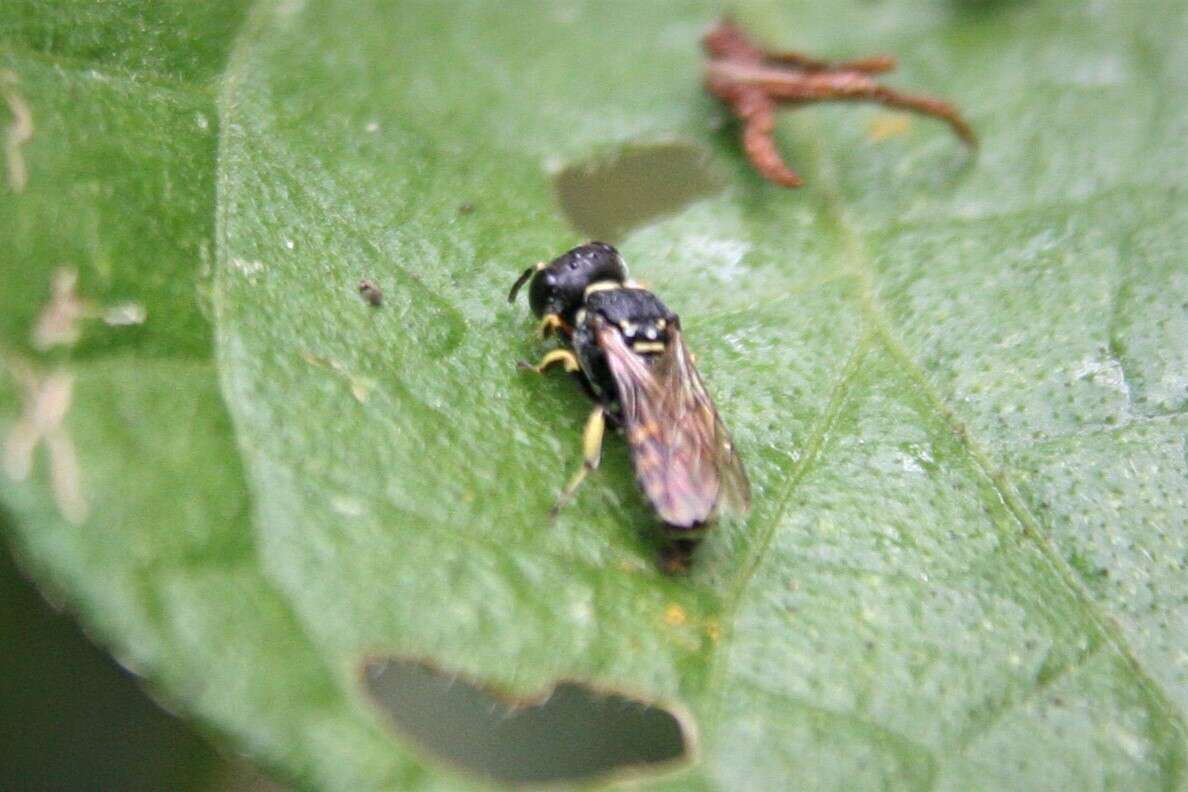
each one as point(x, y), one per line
point(683, 456)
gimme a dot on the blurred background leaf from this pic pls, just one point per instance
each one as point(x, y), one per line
point(959, 384)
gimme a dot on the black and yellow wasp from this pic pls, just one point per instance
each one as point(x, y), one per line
point(626, 350)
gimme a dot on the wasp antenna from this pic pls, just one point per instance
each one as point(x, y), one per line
point(520, 281)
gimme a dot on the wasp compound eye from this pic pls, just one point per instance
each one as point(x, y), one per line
point(543, 293)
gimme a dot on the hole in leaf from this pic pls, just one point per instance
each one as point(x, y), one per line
point(571, 733)
point(607, 197)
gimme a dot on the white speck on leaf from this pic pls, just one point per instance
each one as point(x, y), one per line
point(1106, 373)
point(346, 506)
point(247, 267)
point(1131, 745)
point(124, 314)
point(909, 463)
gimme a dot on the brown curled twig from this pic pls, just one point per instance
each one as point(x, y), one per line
point(754, 83)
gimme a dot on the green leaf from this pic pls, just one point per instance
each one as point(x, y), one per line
point(958, 383)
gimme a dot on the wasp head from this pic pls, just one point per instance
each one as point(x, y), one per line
point(559, 287)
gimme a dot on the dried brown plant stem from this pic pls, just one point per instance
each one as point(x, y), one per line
point(753, 83)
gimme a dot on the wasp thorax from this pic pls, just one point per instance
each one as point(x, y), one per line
point(560, 287)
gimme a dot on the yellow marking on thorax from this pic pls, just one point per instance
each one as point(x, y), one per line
point(603, 285)
point(648, 346)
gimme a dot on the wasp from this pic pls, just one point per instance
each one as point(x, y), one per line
point(626, 350)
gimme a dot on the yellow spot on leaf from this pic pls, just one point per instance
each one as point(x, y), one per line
point(888, 125)
point(360, 389)
point(713, 629)
point(674, 615)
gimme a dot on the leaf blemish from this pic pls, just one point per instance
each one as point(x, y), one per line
point(247, 267)
point(885, 126)
point(607, 197)
point(20, 131)
point(47, 401)
point(58, 322)
point(571, 732)
point(125, 314)
point(360, 387)
point(371, 293)
point(674, 615)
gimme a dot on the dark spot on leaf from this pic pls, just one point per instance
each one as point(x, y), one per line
point(605, 198)
point(371, 293)
point(570, 733)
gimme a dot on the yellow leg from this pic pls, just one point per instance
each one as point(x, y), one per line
point(562, 356)
point(550, 324)
point(591, 456)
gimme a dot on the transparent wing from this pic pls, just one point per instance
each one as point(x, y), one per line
point(676, 372)
point(684, 459)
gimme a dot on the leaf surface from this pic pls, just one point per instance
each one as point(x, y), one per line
point(958, 383)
